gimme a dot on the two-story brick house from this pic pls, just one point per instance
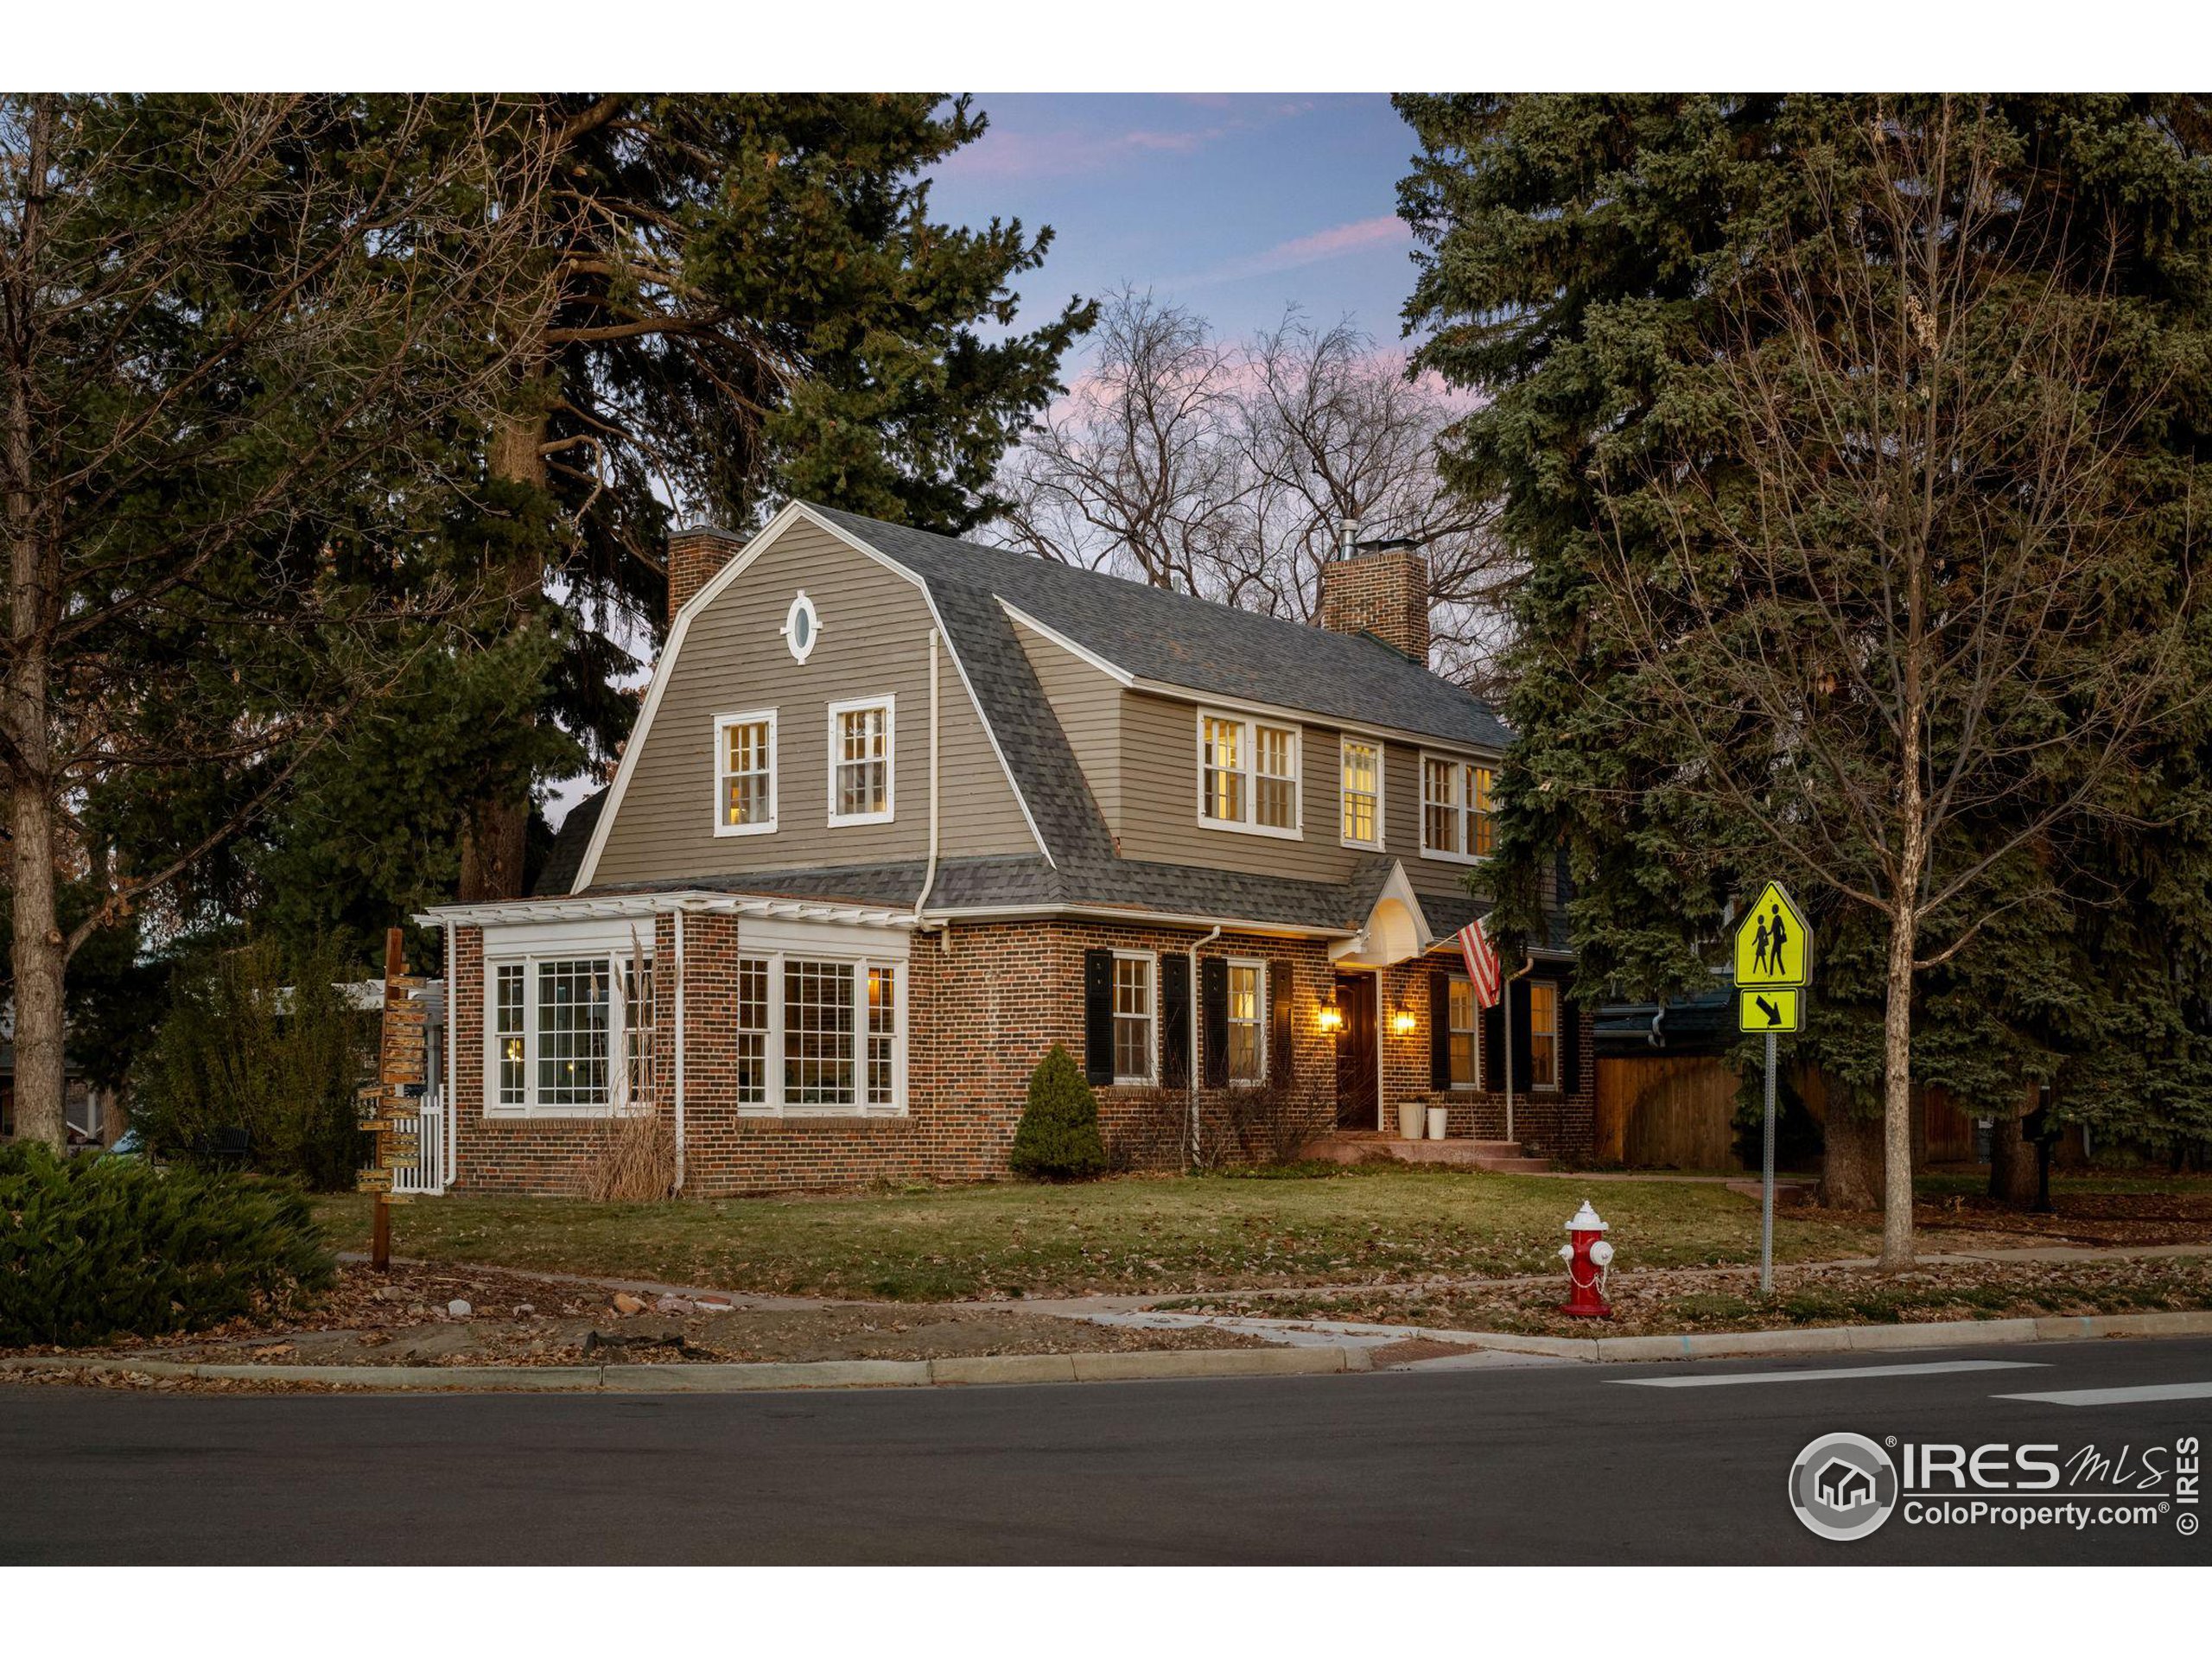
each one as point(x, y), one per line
point(900, 812)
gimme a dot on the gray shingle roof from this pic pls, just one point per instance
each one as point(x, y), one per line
point(1181, 640)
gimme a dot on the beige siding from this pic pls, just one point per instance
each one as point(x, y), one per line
point(1160, 805)
point(1087, 702)
point(875, 628)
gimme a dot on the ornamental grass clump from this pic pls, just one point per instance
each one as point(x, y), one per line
point(94, 1247)
point(1057, 1139)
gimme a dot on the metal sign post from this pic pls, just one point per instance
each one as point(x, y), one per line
point(1774, 971)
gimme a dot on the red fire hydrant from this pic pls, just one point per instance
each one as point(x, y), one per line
point(1587, 1255)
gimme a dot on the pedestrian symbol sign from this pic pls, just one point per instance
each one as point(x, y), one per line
point(1774, 948)
point(1774, 1010)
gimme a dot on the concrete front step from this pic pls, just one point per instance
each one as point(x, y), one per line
point(1356, 1146)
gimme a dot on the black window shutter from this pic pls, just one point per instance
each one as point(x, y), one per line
point(1175, 1021)
point(1494, 1049)
point(1522, 1069)
point(1440, 1029)
point(1213, 1014)
point(1098, 1015)
point(1281, 1056)
point(1570, 1045)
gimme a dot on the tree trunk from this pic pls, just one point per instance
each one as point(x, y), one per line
point(2012, 1156)
point(495, 836)
point(1851, 1159)
point(1896, 1098)
point(33, 578)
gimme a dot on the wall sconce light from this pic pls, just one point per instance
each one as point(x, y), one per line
point(1330, 1018)
point(1402, 1022)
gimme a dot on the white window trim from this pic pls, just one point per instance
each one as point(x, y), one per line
point(722, 723)
point(799, 606)
point(1559, 1060)
point(1263, 1010)
point(1346, 741)
point(773, 1105)
point(1475, 1087)
point(1249, 749)
point(618, 1102)
point(1151, 958)
point(889, 704)
point(1468, 814)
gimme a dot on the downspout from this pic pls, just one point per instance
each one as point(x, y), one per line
point(1195, 947)
point(679, 1049)
point(929, 872)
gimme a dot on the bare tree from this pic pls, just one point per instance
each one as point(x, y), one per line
point(232, 329)
point(1226, 471)
point(1895, 597)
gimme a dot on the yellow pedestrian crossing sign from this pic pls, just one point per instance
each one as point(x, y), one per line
point(1774, 948)
point(1774, 1011)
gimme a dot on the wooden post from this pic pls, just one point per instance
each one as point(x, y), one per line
point(395, 968)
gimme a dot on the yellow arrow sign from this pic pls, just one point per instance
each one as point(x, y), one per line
point(1774, 1010)
point(1774, 946)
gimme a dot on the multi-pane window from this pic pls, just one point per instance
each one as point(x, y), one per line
point(860, 771)
point(1134, 1040)
point(1455, 809)
point(575, 1004)
point(818, 1033)
point(883, 1036)
point(1248, 774)
point(1480, 828)
point(752, 1032)
point(1543, 1034)
point(745, 793)
point(1361, 788)
point(508, 1033)
point(1248, 1003)
point(1460, 1019)
point(1222, 761)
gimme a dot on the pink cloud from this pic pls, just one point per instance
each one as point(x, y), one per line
point(1300, 250)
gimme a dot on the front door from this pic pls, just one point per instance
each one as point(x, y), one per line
point(1357, 1105)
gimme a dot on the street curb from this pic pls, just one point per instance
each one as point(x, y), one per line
point(982, 1369)
point(1841, 1339)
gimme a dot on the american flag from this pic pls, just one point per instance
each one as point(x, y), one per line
point(1482, 963)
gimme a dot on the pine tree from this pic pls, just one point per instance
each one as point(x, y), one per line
point(1057, 1138)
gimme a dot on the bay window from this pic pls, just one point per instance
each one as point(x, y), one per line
point(570, 1033)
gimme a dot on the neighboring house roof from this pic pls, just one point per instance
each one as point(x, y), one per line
point(567, 858)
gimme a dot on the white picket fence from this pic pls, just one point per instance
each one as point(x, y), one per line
point(428, 1178)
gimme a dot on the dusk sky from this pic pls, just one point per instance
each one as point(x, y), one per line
point(1231, 204)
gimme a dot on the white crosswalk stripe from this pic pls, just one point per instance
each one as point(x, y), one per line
point(1724, 1379)
point(2117, 1397)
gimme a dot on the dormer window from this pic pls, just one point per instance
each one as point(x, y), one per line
point(1455, 810)
point(1248, 775)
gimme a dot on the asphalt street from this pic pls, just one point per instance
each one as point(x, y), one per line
point(1566, 1463)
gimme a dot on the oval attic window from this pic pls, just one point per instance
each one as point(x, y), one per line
point(802, 627)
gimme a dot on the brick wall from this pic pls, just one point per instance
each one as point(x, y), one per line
point(694, 556)
point(985, 1002)
point(1382, 593)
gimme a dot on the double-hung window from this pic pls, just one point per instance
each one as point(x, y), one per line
point(1248, 774)
point(1135, 1034)
point(1543, 1034)
point(1360, 765)
point(861, 740)
point(1247, 1014)
point(571, 1033)
point(745, 773)
point(1455, 809)
point(1462, 1019)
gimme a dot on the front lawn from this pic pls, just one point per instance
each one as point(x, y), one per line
point(1154, 1236)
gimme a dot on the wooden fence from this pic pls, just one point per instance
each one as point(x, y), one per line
point(1664, 1111)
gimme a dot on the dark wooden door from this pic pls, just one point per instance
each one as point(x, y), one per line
point(1356, 1053)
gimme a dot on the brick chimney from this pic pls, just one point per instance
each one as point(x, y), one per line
point(1379, 591)
point(694, 553)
